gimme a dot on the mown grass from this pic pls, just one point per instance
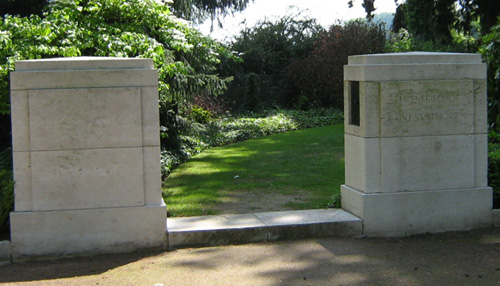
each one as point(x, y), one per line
point(308, 160)
point(218, 131)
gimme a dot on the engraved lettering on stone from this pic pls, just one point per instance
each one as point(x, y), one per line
point(431, 102)
point(415, 117)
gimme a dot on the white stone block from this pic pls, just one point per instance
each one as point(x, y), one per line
point(416, 71)
point(5, 252)
point(347, 109)
point(85, 118)
point(150, 116)
point(427, 163)
point(417, 160)
point(310, 223)
point(405, 213)
point(414, 57)
point(152, 178)
point(82, 78)
point(370, 109)
point(481, 160)
point(84, 63)
point(86, 156)
point(496, 218)
point(362, 163)
point(215, 230)
point(104, 230)
point(91, 178)
point(23, 193)
point(19, 103)
point(414, 66)
point(480, 107)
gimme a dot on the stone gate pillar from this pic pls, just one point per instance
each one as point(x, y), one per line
point(416, 143)
point(86, 156)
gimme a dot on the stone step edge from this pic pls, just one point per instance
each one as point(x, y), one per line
point(260, 227)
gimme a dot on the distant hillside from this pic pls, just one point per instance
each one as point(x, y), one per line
point(386, 18)
point(382, 17)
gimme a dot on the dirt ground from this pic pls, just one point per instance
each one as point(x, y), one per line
point(456, 258)
point(250, 202)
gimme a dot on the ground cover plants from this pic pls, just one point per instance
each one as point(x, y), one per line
point(301, 169)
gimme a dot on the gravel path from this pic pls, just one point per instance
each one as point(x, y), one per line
point(461, 258)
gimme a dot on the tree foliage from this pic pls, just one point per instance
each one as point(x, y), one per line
point(368, 5)
point(434, 19)
point(487, 11)
point(317, 80)
point(430, 20)
point(186, 60)
point(266, 50)
point(199, 10)
point(138, 28)
point(22, 8)
point(490, 51)
point(398, 21)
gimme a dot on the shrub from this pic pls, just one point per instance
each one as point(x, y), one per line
point(200, 115)
point(490, 50)
point(494, 167)
point(6, 199)
point(6, 189)
point(260, 81)
point(209, 103)
point(319, 77)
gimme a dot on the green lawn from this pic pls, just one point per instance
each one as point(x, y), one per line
point(291, 164)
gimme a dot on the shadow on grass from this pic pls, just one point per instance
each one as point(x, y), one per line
point(289, 163)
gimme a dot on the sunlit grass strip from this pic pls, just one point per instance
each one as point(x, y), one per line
point(309, 160)
point(227, 130)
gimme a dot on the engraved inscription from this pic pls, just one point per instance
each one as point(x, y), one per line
point(427, 107)
point(404, 98)
point(415, 117)
point(408, 107)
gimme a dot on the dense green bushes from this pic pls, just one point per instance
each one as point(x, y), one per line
point(294, 63)
point(317, 80)
point(260, 79)
point(6, 190)
point(186, 60)
point(494, 167)
point(139, 28)
point(490, 51)
point(6, 200)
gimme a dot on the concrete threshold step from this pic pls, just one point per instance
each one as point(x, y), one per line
point(260, 227)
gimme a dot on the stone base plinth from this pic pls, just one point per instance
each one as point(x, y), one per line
point(405, 213)
point(4, 252)
point(496, 218)
point(70, 232)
